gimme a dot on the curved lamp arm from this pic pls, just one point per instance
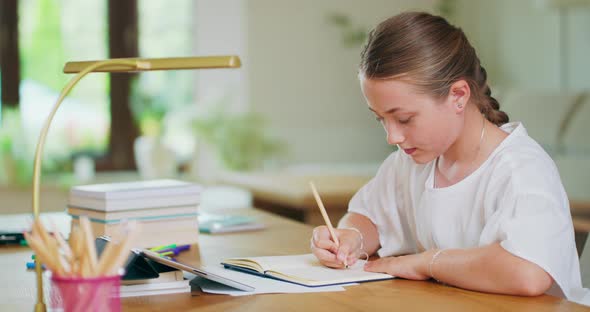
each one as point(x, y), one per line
point(111, 65)
point(40, 305)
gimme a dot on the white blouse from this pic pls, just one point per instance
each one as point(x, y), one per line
point(515, 197)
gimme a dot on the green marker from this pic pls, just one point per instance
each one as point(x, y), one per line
point(163, 247)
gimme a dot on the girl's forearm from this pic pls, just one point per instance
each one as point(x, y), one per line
point(489, 269)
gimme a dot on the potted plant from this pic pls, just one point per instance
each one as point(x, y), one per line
point(239, 140)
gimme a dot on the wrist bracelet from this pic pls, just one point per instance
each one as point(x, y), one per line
point(361, 237)
point(431, 264)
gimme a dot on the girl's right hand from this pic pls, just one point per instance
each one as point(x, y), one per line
point(332, 255)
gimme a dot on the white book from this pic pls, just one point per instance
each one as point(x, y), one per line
point(151, 289)
point(154, 286)
point(219, 223)
point(136, 189)
point(133, 204)
point(155, 213)
point(184, 289)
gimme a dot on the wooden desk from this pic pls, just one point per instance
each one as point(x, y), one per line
point(289, 194)
point(581, 219)
point(17, 290)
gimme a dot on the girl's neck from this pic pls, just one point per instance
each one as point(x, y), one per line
point(478, 140)
point(465, 148)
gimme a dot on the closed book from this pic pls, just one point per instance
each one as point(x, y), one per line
point(133, 203)
point(217, 223)
point(153, 234)
point(151, 289)
point(161, 226)
point(303, 270)
point(148, 240)
point(136, 189)
point(155, 223)
point(139, 214)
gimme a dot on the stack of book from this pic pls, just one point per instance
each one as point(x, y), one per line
point(167, 283)
point(165, 209)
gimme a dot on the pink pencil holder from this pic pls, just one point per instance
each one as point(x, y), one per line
point(73, 294)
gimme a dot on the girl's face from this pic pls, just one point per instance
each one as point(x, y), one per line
point(421, 126)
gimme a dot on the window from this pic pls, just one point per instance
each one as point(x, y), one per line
point(96, 117)
point(51, 32)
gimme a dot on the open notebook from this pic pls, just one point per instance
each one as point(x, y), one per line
point(304, 270)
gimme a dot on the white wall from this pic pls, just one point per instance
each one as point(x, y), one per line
point(221, 30)
point(297, 72)
point(304, 80)
point(519, 42)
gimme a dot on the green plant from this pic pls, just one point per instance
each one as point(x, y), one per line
point(17, 153)
point(16, 161)
point(239, 140)
point(43, 52)
point(352, 35)
point(446, 8)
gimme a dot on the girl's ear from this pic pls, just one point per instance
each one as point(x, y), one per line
point(459, 95)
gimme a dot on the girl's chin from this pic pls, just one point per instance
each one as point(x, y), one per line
point(421, 158)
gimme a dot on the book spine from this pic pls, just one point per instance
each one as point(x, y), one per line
point(172, 217)
point(132, 204)
point(112, 215)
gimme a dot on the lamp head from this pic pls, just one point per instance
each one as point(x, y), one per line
point(149, 64)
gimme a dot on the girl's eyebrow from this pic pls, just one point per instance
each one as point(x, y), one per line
point(389, 111)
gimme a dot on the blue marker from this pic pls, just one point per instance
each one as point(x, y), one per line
point(31, 266)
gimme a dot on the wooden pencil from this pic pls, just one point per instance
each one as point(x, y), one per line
point(132, 231)
point(326, 217)
point(90, 246)
point(324, 213)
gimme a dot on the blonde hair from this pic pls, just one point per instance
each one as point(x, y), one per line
point(432, 54)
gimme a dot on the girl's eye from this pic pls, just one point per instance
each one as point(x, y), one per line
point(405, 121)
point(379, 119)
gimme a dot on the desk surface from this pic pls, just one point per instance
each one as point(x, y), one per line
point(17, 290)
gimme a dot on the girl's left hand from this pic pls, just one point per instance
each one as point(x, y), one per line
point(414, 267)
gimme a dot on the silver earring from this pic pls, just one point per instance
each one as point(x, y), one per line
point(459, 105)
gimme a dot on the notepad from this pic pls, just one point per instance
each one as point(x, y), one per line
point(303, 270)
point(217, 223)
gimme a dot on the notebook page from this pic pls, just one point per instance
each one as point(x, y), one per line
point(279, 263)
point(321, 275)
point(308, 270)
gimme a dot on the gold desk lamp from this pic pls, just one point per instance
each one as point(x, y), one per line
point(111, 66)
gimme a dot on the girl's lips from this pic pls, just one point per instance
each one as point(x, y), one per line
point(409, 151)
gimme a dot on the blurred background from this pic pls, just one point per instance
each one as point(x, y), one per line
point(293, 110)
